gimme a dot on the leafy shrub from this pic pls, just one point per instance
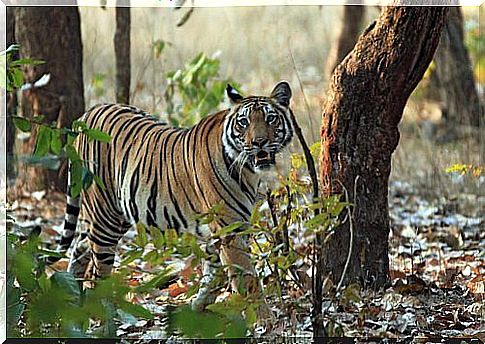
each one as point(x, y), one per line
point(56, 305)
point(12, 76)
point(199, 89)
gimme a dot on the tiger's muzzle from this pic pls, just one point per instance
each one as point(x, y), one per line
point(263, 159)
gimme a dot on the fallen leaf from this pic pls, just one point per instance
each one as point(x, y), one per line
point(477, 286)
point(177, 288)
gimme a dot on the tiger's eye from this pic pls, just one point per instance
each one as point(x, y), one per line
point(243, 122)
point(271, 119)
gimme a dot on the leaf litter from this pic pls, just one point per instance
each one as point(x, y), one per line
point(437, 270)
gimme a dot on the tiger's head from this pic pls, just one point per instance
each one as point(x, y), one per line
point(258, 127)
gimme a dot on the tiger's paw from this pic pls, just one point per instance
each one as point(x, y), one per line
point(266, 320)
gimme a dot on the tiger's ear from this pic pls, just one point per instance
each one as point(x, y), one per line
point(233, 95)
point(282, 93)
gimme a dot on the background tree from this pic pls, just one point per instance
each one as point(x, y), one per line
point(353, 17)
point(359, 133)
point(454, 74)
point(122, 54)
point(11, 101)
point(51, 34)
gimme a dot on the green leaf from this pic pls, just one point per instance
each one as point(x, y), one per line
point(158, 281)
point(109, 329)
point(99, 182)
point(38, 119)
point(171, 237)
point(22, 124)
point(157, 237)
point(24, 270)
point(196, 325)
point(317, 221)
point(15, 307)
point(44, 282)
point(228, 229)
point(76, 178)
point(72, 153)
point(141, 238)
point(151, 257)
point(131, 256)
point(136, 310)
point(98, 135)
point(251, 316)
point(43, 141)
point(87, 178)
point(79, 126)
point(18, 77)
point(56, 143)
point(67, 282)
point(26, 61)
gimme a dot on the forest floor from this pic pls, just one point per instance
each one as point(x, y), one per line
point(437, 266)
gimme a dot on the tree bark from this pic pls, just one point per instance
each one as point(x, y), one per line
point(11, 102)
point(51, 34)
point(455, 75)
point(122, 54)
point(359, 133)
point(351, 28)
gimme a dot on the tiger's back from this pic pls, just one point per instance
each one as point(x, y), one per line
point(160, 175)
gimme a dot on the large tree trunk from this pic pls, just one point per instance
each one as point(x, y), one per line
point(51, 34)
point(353, 17)
point(455, 75)
point(11, 103)
point(359, 133)
point(122, 54)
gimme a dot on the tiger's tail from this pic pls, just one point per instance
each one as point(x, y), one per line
point(73, 207)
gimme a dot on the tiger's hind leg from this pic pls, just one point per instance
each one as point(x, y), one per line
point(103, 245)
point(79, 262)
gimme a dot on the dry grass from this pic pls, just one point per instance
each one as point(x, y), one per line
point(253, 44)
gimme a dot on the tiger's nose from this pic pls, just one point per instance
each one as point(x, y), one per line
point(260, 141)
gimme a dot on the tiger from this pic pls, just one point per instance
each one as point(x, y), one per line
point(164, 176)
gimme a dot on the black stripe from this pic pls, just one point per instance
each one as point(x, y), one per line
point(176, 224)
point(133, 189)
point(103, 255)
point(72, 209)
point(172, 196)
point(150, 220)
point(70, 226)
point(240, 205)
point(167, 217)
point(235, 176)
point(152, 201)
point(207, 126)
point(98, 234)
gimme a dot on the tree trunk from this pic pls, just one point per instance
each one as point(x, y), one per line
point(455, 75)
point(122, 54)
point(359, 133)
point(11, 103)
point(51, 34)
point(351, 28)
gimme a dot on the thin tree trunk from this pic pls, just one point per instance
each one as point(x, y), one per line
point(11, 103)
point(455, 75)
point(51, 34)
point(353, 17)
point(359, 133)
point(122, 54)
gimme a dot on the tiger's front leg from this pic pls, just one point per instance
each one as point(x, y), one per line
point(242, 273)
point(207, 289)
